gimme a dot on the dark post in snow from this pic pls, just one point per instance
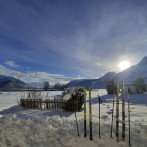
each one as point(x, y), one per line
point(112, 116)
point(75, 102)
point(117, 113)
point(100, 101)
point(85, 129)
point(90, 114)
point(123, 111)
point(129, 91)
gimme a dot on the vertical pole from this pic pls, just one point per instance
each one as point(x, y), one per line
point(112, 116)
point(76, 117)
point(85, 129)
point(99, 116)
point(129, 115)
point(117, 113)
point(146, 89)
point(123, 111)
point(90, 114)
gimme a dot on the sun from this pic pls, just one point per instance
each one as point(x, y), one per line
point(124, 65)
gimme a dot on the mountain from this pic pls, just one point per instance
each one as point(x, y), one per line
point(8, 82)
point(128, 75)
point(93, 83)
point(143, 61)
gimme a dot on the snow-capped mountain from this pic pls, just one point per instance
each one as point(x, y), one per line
point(128, 75)
point(7, 82)
point(93, 83)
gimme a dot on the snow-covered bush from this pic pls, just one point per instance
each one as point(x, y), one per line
point(74, 94)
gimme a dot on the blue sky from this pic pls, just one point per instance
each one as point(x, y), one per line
point(61, 40)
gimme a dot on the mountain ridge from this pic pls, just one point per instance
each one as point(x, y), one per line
point(128, 75)
point(9, 82)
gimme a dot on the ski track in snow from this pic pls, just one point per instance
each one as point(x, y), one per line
point(22, 127)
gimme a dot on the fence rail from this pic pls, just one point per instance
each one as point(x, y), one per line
point(66, 105)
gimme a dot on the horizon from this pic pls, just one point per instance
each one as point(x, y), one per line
point(59, 41)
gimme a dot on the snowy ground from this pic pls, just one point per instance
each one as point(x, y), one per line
point(22, 127)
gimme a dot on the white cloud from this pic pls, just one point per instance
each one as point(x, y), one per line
point(8, 72)
point(99, 64)
point(35, 76)
point(12, 64)
point(88, 50)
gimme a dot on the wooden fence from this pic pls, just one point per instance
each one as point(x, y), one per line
point(66, 105)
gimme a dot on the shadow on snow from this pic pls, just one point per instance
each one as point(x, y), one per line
point(135, 99)
point(104, 98)
point(27, 112)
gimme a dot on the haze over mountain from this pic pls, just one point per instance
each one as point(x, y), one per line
point(128, 75)
point(8, 82)
point(36, 84)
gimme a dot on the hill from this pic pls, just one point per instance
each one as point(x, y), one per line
point(8, 82)
point(93, 83)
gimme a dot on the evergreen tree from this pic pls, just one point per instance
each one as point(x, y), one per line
point(110, 86)
point(46, 85)
point(139, 84)
point(58, 86)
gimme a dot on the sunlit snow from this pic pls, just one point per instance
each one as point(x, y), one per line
point(22, 127)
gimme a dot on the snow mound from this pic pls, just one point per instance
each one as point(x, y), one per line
point(56, 118)
point(59, 131)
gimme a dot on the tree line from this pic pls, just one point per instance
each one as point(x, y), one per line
point(138, 84)
point(57, 86)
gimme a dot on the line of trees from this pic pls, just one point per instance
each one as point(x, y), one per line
point(138, 84)
point(57, 86)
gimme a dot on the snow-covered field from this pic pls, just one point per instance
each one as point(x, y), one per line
point(22, 127)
